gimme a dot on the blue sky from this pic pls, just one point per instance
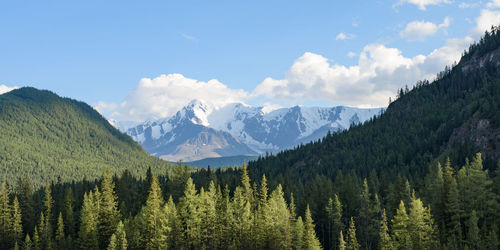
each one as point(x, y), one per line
point(355, 53)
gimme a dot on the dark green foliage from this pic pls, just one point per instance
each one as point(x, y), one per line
point(45, 137)
point(390, 164)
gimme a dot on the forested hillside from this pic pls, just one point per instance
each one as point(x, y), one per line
point(453, 117)
point(47, 137)
point(424, 175)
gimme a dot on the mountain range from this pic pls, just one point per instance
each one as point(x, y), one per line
point(199, 130)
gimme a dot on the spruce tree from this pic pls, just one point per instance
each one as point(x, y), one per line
point(420, 225)
point(5, 216)
point(245, 184)
point(36, 239)
point(173, 223)
point(26, 204)
point(384, 238)
point(473, 231)
point(16, 228)
point(400, 234)
point(451, 208)
point(88, 223)
point(60, 237)
point(298, 234)
point(155, 232)
point(108, 210)
point(28, 245)
point(342, 244)
point(190, 215)
point(334, 213)
point(310, 239)
point(121, 237)
point(46, 227)
point(279, 211)
point(68, 212)
point(112, 243)
point(352, 241)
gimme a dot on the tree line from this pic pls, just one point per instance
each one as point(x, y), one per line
point(458, 210)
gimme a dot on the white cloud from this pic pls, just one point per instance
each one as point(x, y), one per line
point(464, 5)
point(493, 4)
point(344, 36)
point(419, 30)
point(105, 108)
point(4, 89)
point(351, 54)
point(379, 73)
point(486, 19)
point(164, 95)
point(422, 4)
point(269, 107)
point(188, 37)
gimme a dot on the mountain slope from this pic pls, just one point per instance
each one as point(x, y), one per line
point(217, 162)
point(455, 116)
point(185, 137)
point(199, 131)
point(45, 137)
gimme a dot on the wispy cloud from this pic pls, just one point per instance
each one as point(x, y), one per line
point(421, 4)
point(189, 37)
point(344, 36)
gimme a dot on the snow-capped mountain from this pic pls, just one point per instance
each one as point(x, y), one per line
point(199, 130)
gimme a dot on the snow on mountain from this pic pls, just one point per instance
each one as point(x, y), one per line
point(239, 129)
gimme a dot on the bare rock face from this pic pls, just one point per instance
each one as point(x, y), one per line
point(477, 62)
point(480, 134)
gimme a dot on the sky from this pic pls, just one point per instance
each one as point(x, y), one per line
point(144, 60)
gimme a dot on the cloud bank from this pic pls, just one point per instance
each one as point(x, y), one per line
point(4, 89)
point(164, 95)
point(419, 30)
point(379, 72)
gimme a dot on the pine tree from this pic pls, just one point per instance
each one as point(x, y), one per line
point(108, 209)
point(26, 204)
point(5, 216)
point(36, 239)
point(121, 237)
point(155, 232)
point(46, 226)
point(190, 215)
point(68, 212)
point(174, 224)
point(472, 231)
point(278, 210)
point(298, 234)
point(28, 245)
point(352, 241)
point(420, 225)
point(60, 237)
point(400, 234)
point(364, 215)
point(334, 213)
point(16, 228)
point(88, 223)
point(112, 243)
point(209, 215)
point(451, 210)
point(243, 218)
point(341, 241)
point(245, 184)
point(310, 239)
point(384, 238)
point(262, 217)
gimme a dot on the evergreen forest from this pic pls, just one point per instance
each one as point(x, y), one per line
point(423, 175)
